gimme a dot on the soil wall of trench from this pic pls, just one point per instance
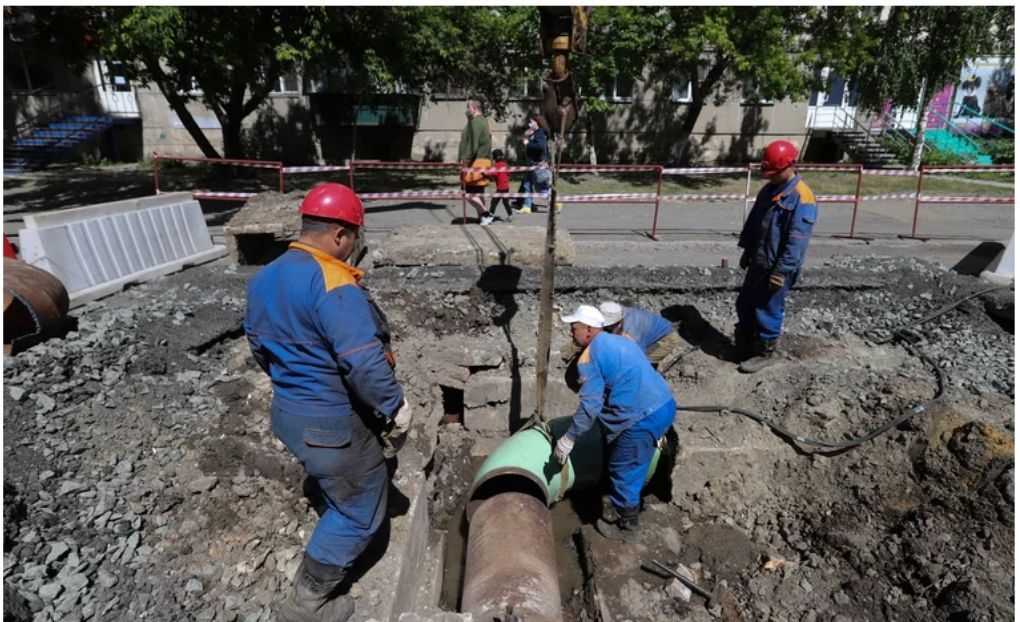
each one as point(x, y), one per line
point(141, 479)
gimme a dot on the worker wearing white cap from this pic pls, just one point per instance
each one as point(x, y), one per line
point(631, 402)
point(653, 333)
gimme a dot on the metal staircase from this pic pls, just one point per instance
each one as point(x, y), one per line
point(861, 142)
point(41, 145)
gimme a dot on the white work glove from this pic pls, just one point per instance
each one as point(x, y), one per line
point(402, 421)
point(563, 448)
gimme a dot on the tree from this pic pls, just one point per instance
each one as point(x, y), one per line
point(227, 57)
point(230, 58)
point(920, 48)
point(773, 50)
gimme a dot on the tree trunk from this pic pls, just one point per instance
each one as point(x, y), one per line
point(589, 136)
point(922, 125)
point(701, 90)
point(179, 105)
point(687, 127)
point(232, 147)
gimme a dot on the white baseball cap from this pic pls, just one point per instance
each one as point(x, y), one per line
point(585, 314)
point(612, 311)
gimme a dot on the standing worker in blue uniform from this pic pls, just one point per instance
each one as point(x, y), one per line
point(775, 241)
point(312, 328)
point(652, 332)
point(632, 403)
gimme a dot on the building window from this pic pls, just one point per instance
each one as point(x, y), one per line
point(22, 76)
point(683, 90)
point(450, 90)
point(527, 89)
point(113, 76)
point(618, 89)
point(287, 84)
point(752, 95)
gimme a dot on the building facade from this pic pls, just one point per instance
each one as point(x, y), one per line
point(304, 121)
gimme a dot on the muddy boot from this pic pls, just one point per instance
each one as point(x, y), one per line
point(765, 355)
point(310, 601)
point(624, 526)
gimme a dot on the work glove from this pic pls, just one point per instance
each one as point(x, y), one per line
point(776, 281)
point(402, 421)
point(563, 447)
point(395, 434)
point(745, 259)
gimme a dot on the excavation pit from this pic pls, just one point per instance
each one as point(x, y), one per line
point(151, 469)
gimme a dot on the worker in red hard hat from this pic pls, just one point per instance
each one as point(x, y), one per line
point(311, 327)
point(775, 240)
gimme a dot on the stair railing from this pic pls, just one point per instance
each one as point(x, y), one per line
point(892, 122)
point(62, 107)
point(975, 114)
point(955, 131)
point(845, 120)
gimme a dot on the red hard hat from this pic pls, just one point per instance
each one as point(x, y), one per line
point(9, 249)
point(335, 202)
point(779, 155)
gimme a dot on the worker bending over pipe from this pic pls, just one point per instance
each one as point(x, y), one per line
point(633, 404)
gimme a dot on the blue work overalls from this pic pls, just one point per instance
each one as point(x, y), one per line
point(776, 233)
point(632, 402)
point(311, 327)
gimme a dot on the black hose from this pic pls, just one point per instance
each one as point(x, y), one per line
point(899, 333)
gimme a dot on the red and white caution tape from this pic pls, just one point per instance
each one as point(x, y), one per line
point(832, 168)
point(642, 197)
point(928, 198)
point(314, 169)
point(509, 169)
point(227, 196)
point(1001, 168)
point(890, 172)
point(683, 198)
point(704, 170)
point(607, 168)
point(892, 196)
point(406, 165)
point(516, 195)
point(411, 194)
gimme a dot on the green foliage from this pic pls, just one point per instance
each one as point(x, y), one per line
point(926, 45)
point(1001, 150)
point(904, 151)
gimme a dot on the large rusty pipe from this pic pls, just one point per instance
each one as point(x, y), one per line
point(511, 561)
point(511, 558)
point(35, 304)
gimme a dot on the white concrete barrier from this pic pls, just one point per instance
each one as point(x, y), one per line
point(98, 249)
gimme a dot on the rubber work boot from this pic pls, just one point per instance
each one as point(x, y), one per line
point(765, 355)
point(623, 527)
point(310, 601)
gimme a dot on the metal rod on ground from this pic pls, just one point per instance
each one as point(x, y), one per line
point(281, 178)
point(350, 173)
point(694, 587)
point(548, 279)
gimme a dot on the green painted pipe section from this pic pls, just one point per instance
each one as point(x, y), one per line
point(528, 453)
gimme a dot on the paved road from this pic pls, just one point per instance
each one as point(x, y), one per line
point(698, 233)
